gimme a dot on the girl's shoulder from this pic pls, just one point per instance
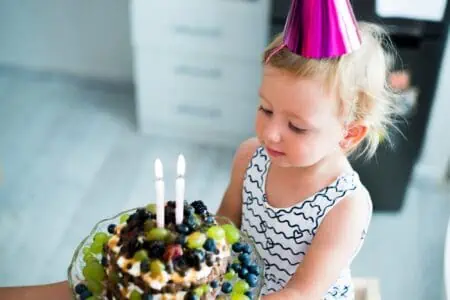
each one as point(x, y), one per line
point(245, 152)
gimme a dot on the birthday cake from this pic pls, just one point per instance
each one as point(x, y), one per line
point(204, 257)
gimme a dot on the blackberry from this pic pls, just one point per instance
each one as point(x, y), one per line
point(156, 249)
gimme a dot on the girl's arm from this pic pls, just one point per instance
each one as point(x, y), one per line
point(231, 206)
point(55, 291)
point(335, 243)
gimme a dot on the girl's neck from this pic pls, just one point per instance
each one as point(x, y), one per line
point(330, 166)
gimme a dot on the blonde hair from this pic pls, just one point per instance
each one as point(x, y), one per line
point(359, 78)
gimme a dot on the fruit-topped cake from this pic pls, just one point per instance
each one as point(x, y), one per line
point(174, 250)
point(201, 258)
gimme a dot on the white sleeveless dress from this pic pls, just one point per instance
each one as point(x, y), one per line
point(282, 236)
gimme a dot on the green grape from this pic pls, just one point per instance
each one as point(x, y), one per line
point(95, 287)
point(96, 248)
point(86, 250)
point(123, 218)
point(235, 296)
point(206, 288)
point(196, 240)
point(148, 225)
point(199, 291)
point(231, 233)
point(230, 275)
point(241, 287)
point(89, 257)
point(157, 267)
point(135, 295)
point(151, 208)
point(94, 271)
point(157, 234)
point(141, 255)
point(101, 238)
point(171, 237)
point(216, 233)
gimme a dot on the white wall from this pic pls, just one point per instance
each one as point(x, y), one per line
point(435, 157)
point(83, 37)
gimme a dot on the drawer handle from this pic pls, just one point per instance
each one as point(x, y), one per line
point(213, 73)
point(199, 111)
point(211, 32)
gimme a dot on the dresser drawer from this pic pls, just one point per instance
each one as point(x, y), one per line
point(187, 72)
point(207, 112)
point(218, 26)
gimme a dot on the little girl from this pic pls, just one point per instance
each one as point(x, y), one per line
point(292, 188)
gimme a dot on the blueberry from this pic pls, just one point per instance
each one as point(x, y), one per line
point(245, 259)
point(243, 272)
point(86, 294)
point(189, 211)
point(80, 288)
point(237, 247)
point(191, 296)
point(227, 288)
point(112, 228)
point(180, 265)
point(191, 222)
point(236, 267)
point(249, 294)
point(171, 204)
point(209, 245)
point(200, 255)
point(214, 284)
point(209, 220)
point(104, 261)
point(252, 280)
point(149, 297)
point(181, 239)
point(145, 266)
point(182, 228)
point(246, 248)
point(254, 269)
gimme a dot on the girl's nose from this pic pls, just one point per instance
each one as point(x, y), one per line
point(272, 133)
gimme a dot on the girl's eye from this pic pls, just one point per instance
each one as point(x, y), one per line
point(296, 129)
point(265, 111)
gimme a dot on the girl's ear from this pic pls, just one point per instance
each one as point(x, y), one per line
point(355, 133)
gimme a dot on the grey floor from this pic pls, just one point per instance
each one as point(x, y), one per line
point(69, 156)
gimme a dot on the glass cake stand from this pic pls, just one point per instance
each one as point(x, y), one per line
point(75, 270)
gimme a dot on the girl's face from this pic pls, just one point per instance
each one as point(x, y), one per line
point(297, 121)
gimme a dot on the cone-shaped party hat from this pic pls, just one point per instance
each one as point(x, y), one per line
point(321, 28)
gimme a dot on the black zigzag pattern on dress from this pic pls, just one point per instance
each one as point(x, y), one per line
point(260, 151)
point(292, 237)
point(264, 247)
point(274, 279)
point(267, 264)
point(272, 290)
point(280, 282)
point(278, 218)
point(330, 205)
point(250, 165)
point(322, 193)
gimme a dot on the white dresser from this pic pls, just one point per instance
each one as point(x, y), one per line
point(197, 67)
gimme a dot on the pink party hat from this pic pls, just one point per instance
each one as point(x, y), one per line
point(321, 28)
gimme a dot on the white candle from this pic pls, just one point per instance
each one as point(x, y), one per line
point(180, 189)
point(159, 186)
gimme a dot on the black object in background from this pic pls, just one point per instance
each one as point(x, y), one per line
point(420, 45)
